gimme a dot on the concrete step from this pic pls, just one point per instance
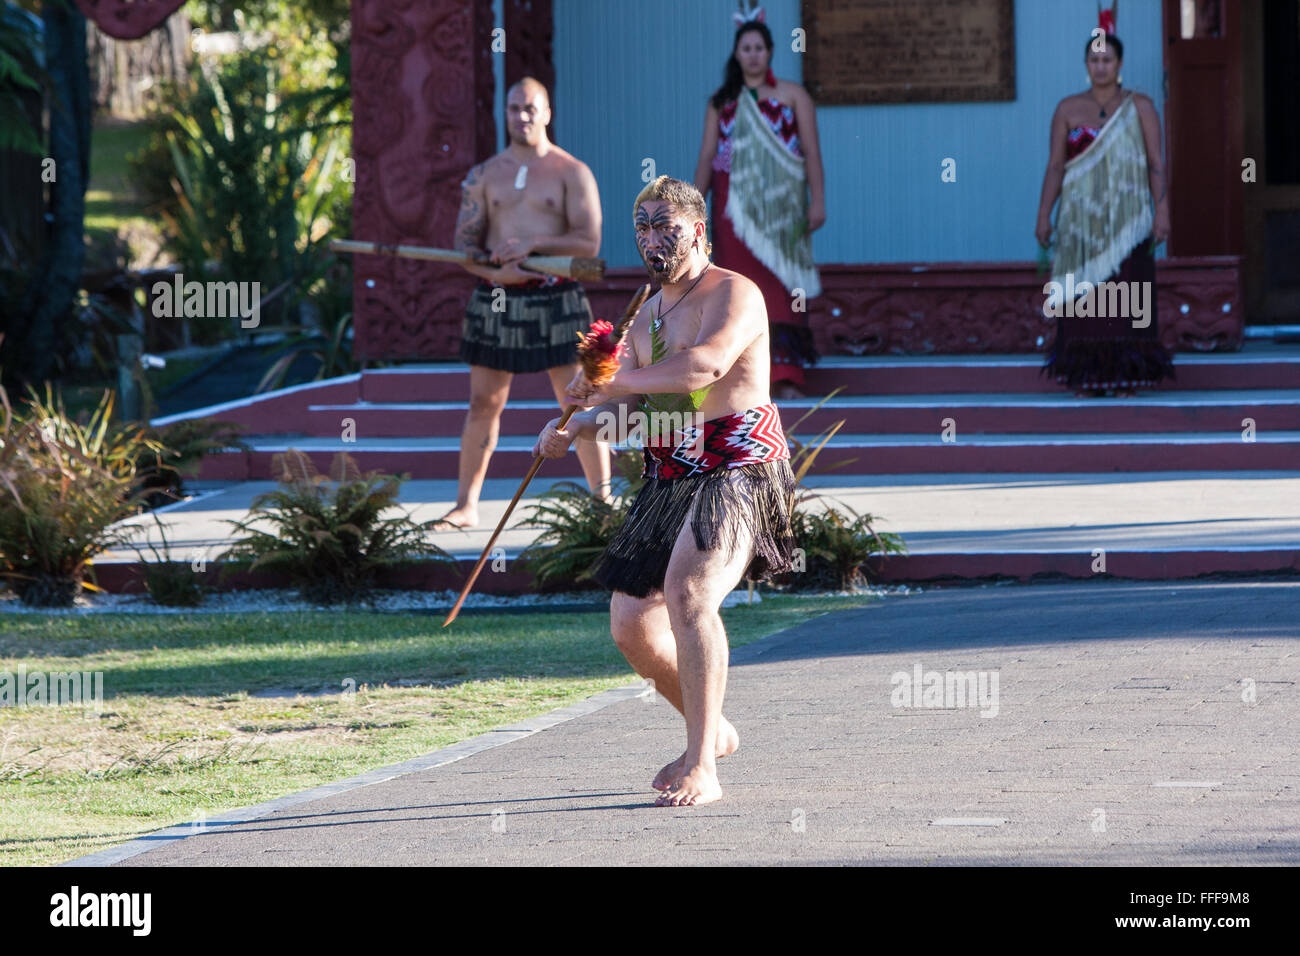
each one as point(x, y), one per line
point(865, 454)
point(1114, 451)
point(1260, 368)
point(285, 409)
point(1265, 366)
point(1260, 365)
point(1006, 413)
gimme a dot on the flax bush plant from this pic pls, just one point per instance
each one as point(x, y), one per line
point(250, 172)
point(64, 487)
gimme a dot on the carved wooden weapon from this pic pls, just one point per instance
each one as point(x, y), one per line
point(582, 268)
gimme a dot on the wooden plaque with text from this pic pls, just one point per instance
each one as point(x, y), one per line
point(909, 51)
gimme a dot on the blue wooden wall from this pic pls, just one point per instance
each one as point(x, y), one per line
point(632, 80)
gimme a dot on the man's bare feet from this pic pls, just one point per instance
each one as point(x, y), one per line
point(697, 786)
point(728, 744)
point(465, 519)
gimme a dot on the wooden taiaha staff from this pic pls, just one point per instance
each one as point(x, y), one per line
point(582, 268)
point(598, 351)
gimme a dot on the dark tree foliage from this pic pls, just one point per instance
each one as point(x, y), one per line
point(31, 334)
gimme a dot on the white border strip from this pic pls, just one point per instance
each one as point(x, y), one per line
point(439, 758)
point(191, 499)
point(254, 399)
point(962, 400)
point(1029, 360)
point(516, 444)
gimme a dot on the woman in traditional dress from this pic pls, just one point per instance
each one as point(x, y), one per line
point(1106, 166)
point(761, 158)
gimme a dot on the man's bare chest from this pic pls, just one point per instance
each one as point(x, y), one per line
point(523, 190)
point(662, 339)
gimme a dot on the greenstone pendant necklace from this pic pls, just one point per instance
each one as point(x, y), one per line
point(658, 320)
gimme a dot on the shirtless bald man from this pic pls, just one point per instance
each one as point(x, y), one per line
point(715, 506)
point(532, 198)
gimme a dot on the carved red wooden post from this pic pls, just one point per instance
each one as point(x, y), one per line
point(422, 107)
point(530, 27)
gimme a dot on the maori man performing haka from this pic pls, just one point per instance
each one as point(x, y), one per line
point(532, 198)
point(715, 506)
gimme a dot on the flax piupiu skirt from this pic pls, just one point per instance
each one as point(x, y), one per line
point(727, 509)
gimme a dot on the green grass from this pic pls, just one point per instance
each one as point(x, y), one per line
point(182, 731)
point(110, 199)
point(117, 222)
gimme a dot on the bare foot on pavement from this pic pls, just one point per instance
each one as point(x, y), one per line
point(728, 744)
point(466, 519)
point(696, 787)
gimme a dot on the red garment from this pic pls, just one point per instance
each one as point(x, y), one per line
point(1079, 139)
point(791, 339)
point(780, 120)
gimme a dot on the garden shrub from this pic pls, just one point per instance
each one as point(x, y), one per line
point(183, 447)
point(64, 486)
point(328, 534)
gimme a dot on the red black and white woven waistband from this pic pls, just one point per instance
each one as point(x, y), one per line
point(750, 437)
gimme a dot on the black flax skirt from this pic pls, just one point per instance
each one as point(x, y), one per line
point(1101, 353)
point(524, 328)
point(720, 504)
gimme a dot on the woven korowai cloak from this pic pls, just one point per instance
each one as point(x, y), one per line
point(767, 202)
point(1105, 204)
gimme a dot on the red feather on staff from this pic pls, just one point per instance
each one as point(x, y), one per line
point(599, 351)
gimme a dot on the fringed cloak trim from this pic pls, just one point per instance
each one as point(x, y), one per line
point(767, 203)
point(1105, 204)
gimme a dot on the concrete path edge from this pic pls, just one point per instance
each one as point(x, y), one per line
point(457, 751)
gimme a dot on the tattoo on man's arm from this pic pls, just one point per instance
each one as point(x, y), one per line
point(470, 226)
point(471, 222)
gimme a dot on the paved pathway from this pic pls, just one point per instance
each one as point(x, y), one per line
point(1135, 724)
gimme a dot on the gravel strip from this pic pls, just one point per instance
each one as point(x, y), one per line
point(235, 602)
